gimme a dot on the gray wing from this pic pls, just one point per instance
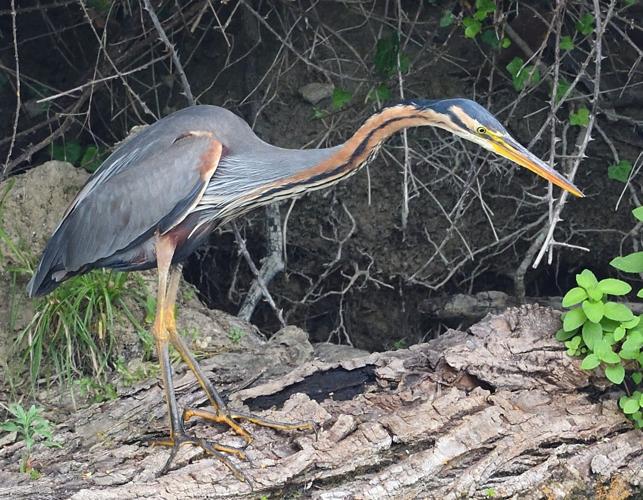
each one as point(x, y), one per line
point(149, 184)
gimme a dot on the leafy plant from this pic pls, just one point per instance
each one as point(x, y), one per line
point(379, 93)
point(89, 157)
point(566, 43)
point(480, 22)
point(522, 75)
point(490, 38)
point(235, 335)
point(619, 171)
point(141, 371)
point(73, 326)
point(472, 27)
point(96, 390)
point(580, 117)
point(388, 57)
point(340, 98)
point(400, 344)
point(30, 426)
point(606, 333)
point(447, 19)
point(561, 89)
point(585, 25)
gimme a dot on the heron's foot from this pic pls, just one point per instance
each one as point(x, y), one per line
point(231, 418)
point(217, 450)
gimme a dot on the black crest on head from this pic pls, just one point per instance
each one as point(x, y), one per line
point(469, 107)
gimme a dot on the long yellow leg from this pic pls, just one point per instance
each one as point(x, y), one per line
point(220, 415)
point(164, 324)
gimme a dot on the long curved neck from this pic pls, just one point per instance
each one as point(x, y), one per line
point(359, 149)
point(337, 163)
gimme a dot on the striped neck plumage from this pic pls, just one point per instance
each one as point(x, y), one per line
point(336, 163)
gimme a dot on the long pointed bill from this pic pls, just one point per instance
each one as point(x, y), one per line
point(513, 151)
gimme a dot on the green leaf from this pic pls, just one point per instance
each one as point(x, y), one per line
point(611, 286)
point(615, 374)
point(633, 342)
point(490, 38)
point(619, 333)
point(505, 43)
point(573, 319)
point(484, 8)
point(631, 323)
point(574, 296)
point(632, 263)
point(9, 426)
point(446, 19)
point(566, 43)
point(471, 27)
point(595, 293)
point(609, 356)
point(388, 57)
point(609, 325)
point(590, 362)
point(70, 151)
point(618, 312)
point(629, 3)
point(573, 344)
point(585, 24)
point(522, 76)
point(619, 171)
point(515, 66)
point(594, 311)
point(562, 335)
point(592, 333)
point(580, 117)
point(340, 98)
point(638, 213)
point(630, 406)
point(586, 279)
point(561, 90)
point(637, 377)
point(379, 93)
point(92, 158)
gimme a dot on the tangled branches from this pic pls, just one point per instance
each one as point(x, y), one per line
point(431, 215)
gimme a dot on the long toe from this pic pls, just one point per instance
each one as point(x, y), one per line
point(212, 448)
point(230, 418)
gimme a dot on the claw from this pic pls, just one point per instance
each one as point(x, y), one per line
point(230, 418)
point(215, 449)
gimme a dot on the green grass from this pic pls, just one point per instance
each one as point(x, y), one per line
point(72, 332)
point(73, 327)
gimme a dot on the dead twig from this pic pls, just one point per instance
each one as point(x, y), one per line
point(14, 32)
point(170, 47)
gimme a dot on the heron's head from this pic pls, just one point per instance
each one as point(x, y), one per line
point(471, 121)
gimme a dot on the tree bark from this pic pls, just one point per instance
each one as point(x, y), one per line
point(498, 411)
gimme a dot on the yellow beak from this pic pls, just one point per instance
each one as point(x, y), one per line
point(513, 151)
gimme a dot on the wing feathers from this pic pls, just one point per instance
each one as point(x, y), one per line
point(148, 185)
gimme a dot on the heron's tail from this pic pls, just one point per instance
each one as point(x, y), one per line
point(50, 272)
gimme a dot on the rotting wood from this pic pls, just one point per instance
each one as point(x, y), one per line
point(499, 409)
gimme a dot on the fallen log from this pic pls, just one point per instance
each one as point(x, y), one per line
point(497, 411)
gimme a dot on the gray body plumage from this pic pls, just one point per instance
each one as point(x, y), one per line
point(203, 165)
point(151, 183)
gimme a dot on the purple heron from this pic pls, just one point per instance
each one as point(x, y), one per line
point(160, 194)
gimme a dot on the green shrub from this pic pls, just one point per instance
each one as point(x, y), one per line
point(30, 426)
point(607, 334)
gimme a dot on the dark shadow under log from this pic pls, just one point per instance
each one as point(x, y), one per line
point(497, 411)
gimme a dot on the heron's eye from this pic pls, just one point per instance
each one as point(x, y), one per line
point(481, 130)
